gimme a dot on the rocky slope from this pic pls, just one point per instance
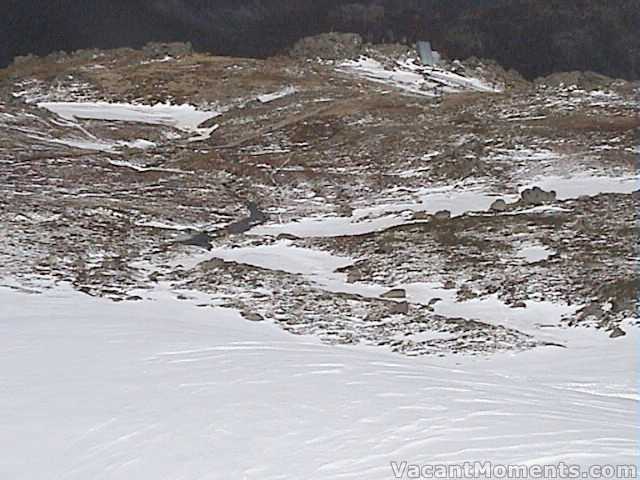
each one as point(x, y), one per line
point(428, 210)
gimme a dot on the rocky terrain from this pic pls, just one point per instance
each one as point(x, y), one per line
point(344, 192)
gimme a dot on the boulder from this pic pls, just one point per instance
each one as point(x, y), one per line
point(537, 196)
point(498, 206)
point(252, 316)
point(395, 293)
point(399, 308)
point(617, 332)
point(442, 215)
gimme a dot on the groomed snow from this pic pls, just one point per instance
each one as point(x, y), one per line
point(162, 389)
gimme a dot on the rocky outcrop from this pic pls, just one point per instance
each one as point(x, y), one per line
point(328, 46)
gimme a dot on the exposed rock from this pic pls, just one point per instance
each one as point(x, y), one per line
point(345, 210)
point(449, 285)
point(498, 206)
point(583, 80)
point(202, 240)
point(161, 50)
point(287, 236)
point(354, 275)
point(328, 46)
point(252, 316)
point(537, 196)
point(617, 332)
point(256, 217)
point(395, 293)
point(399, 308)
point(442, 215)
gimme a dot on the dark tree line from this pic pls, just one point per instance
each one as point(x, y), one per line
point(535, 37)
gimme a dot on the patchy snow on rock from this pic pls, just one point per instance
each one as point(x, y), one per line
point(320, 267)
point(186, 118)
point(162, 389)
point(416, 79)
point(374, 71)
point(388, 213)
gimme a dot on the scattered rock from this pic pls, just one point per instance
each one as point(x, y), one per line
point(617, 332)
point(395, 293)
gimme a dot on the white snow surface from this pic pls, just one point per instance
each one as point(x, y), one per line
point(575, 186)
point(162, 389)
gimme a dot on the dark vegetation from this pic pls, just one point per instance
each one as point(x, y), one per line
point(536, 37)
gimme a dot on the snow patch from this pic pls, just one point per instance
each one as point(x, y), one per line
point(535, 253)
point(186, 118)
point(270, 97)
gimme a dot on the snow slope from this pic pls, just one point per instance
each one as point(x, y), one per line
point(162, 389)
